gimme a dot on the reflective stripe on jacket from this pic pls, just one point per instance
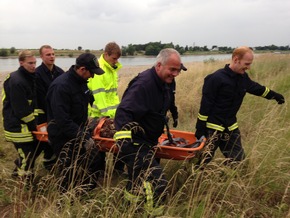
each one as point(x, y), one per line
point(104, 89)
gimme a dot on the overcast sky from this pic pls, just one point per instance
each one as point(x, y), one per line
point(93, 23)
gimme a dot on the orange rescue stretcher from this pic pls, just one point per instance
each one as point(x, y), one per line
point(182, 145)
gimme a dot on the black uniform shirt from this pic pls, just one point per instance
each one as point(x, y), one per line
point(145, 101)
point(19, 100)
point(44, 77)
point(223, 93)
point(67, 105)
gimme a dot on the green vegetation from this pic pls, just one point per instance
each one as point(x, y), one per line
point(258, 187)
point(12, 52)
point(3, 52)
point(152, 49)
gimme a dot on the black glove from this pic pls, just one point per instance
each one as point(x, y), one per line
point(175, 119)
point(200, 129)
point(279, 98)
point(274, 95)
point(198, 134)
point(175, 123)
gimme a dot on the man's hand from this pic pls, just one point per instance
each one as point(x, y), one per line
point(199, 134)
point(279, 98)
point(200, 129)
point(175, 123)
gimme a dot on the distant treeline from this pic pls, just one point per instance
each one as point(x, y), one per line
point(152, 48)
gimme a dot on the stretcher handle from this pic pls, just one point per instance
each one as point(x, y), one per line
point(99, 126)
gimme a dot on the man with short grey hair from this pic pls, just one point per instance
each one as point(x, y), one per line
point(139, 121)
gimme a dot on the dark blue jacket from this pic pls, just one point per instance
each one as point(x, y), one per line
point(19, 102)
point(67, 107)
point(222, 95)
point(44, 77)
point(146, 101)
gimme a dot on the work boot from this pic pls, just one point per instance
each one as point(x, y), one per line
point(14, 174)
point(154, 211)
point(49, 163)
point(26, 177)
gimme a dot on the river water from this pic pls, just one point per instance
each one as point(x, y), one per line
point(11, 64)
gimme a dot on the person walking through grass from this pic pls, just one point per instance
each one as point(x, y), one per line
point(222, 95)
point(104, 89)
point(67, 112)
point(139, 121)
point(45, 74)
point(19, 120)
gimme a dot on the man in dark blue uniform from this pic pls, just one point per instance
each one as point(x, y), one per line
point(19, 120)
point(45, 74)
point(139, 122)
point(67, 110)
point(222, 95)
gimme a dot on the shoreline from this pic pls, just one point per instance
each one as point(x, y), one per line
point(124, 71)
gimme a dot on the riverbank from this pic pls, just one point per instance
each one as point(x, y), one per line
point(10, 64)
point(126, 71)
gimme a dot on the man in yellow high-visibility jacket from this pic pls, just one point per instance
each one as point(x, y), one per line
point(104, 88)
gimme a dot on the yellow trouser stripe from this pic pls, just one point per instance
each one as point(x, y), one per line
point(21, 171)
point(132, 198)
point(149, 194)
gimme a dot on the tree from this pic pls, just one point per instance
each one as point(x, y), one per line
point(152, 49)
point(3, 52)
point(213, 47)
point(12, 50)
point(80, 48)
point(124, 51)
point(168, 45)
point(130, 49)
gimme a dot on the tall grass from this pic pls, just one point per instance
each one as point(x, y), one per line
point(258, 187)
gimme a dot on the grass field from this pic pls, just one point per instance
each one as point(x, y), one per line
point(258, 187)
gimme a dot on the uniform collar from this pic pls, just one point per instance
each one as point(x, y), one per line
point(161, 84)
point(107, 65)
point(22, 70)
point(76, 77)
point(45, 68)
point(231, 73)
